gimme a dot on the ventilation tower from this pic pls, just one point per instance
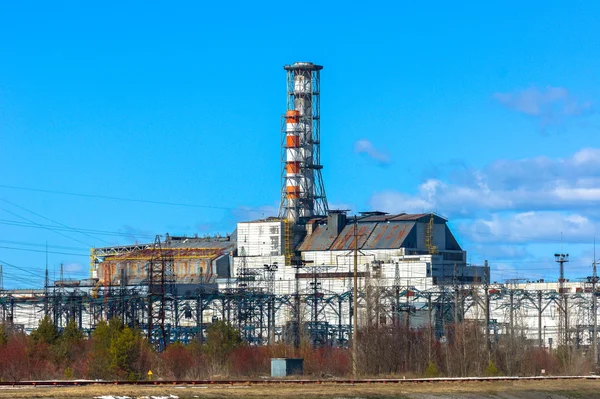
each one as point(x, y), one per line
point(302, 190)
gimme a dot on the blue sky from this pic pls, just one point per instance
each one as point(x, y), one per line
point(484, 113)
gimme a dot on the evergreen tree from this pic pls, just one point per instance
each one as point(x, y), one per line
point(46, 333)
point(100, 360)
point(123, 352)
point(69, 344)
point(221, 340)
point(491, 369)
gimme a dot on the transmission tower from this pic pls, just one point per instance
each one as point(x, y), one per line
point(159, 284)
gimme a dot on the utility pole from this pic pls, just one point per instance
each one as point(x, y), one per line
point(46, 285)
point(456, 293)
point(486, 287)
point(511, 294)
point(46, 293)
point(561, 259)
point(297, 305)
point(594, 306)
point(540, 309)
point(397, 284)
point(355, 302)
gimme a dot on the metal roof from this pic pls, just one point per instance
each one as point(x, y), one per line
point(320, 240)
point(375, 231)
point(346, 238)
point(371, 235)
point(389, 235)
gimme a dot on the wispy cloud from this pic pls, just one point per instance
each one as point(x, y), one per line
point(532, 200)
point(531, 184)
point(367, 148)
point(551, 105)
point(74, 267)
point(527, 227)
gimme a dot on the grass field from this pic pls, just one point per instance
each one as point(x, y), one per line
point(552, 389)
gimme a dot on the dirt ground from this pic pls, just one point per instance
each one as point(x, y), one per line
point(498, 389)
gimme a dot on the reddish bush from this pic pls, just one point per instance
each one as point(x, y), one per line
point(14, 363)
point(327, 361)
point(177, 362)
point(536, 359)
point(250, 361)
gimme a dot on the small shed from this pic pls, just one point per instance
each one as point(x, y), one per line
point(283, 367)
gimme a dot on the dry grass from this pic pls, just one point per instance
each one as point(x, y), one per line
point(544, 389)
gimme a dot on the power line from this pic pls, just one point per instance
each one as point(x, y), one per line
point(41, 250)
point(31, 244)
point(113, 198)
point(5, 263)
point(71, 229)
point(51, 228)
point(48, 219)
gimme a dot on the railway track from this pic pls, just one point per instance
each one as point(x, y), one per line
point(270, 381)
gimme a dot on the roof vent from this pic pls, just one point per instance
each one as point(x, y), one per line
point(336, 221)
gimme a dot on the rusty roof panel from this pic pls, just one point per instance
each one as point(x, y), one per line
point(320, 240)
point(389, 235)
point(346, 238)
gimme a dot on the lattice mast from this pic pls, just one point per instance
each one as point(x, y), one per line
point(160, 280)
point(563, 321)
point(302, 189)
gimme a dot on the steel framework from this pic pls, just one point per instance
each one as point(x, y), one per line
point(318, 315)
point(302, 188)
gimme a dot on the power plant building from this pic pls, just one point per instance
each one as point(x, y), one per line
point(272, 276)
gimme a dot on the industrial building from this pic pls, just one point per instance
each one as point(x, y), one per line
point(293, 273)
point(195, 260)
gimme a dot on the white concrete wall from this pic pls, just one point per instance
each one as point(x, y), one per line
point(260, 238)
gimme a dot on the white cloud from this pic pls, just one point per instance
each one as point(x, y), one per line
point(364, 146)
point(550, 105)
point(537, 184)
point(74, 267)
point(527, 227)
